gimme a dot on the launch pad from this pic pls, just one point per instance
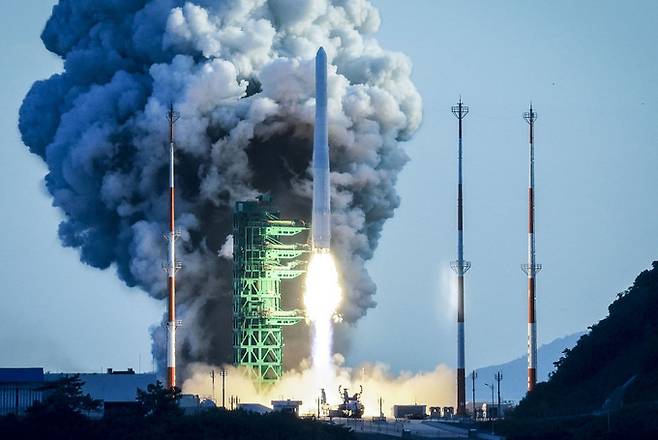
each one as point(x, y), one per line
point(261, 262)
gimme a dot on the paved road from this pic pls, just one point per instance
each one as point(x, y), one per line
point(447, 426)
point(395, 429)
point(417, 428)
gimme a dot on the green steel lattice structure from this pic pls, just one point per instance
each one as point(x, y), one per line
point(261, 262)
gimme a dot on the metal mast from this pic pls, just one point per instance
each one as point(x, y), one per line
point(531, 268)
point(460, 266)
point(223, 374)
point(498, 377)
point(172, 264)
point(474, 375)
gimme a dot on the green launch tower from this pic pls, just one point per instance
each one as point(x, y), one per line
point(262, 258)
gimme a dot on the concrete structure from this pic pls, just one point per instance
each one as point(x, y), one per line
point(412, 412)
point(446, 412)
point(256, 408)
point(287, 406)
point(460, 266)
point(485, 410)
point(192, 404)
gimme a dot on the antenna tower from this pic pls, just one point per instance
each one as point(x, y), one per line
point(460, 266)
point(531, 268)
point(172, 265)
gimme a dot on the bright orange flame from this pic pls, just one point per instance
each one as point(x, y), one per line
point(323, 294)
point(321, 299)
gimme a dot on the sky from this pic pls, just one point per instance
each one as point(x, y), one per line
point(56, 313)
point(591, 71)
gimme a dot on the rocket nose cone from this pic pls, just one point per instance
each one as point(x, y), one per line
point(321, 53)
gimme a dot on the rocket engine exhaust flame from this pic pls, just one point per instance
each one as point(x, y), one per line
point(321, 300)
point(323, 294)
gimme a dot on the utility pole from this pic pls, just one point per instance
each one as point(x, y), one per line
point(460, 266)
point(498, 377)
point(212, 376)
point(531, 268)
point(474, 375)
point(223, 374)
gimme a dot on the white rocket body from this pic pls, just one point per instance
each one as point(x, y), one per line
point(321, 215)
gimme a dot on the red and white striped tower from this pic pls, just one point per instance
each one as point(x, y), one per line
point(460, 266)
point(172, 264)
point(531, 268)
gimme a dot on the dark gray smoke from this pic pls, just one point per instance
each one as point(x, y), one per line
point(241, 74)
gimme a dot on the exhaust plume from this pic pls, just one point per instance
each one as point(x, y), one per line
point(241, 75)
point(431, 388)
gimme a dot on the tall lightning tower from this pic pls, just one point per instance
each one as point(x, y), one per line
point(172, 265)
point(531, 268)
point(460, 266)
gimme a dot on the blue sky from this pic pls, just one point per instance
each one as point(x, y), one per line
point(56, 312)
point(591, 69)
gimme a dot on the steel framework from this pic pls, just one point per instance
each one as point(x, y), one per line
point(261, 261)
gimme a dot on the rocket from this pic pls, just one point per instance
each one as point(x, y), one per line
point(321, 214)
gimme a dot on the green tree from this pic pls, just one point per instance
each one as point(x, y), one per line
point(64, 396)
point(158, 401)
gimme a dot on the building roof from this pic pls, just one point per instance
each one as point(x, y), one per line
point(21, 375)
point(110, 387)
point(287, 402)
point(254, 408)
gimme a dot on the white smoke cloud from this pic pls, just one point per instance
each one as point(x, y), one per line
point(241, 75)
point(226, 250)
point(432, 388)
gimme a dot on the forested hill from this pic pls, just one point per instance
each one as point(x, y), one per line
point(616, 360)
